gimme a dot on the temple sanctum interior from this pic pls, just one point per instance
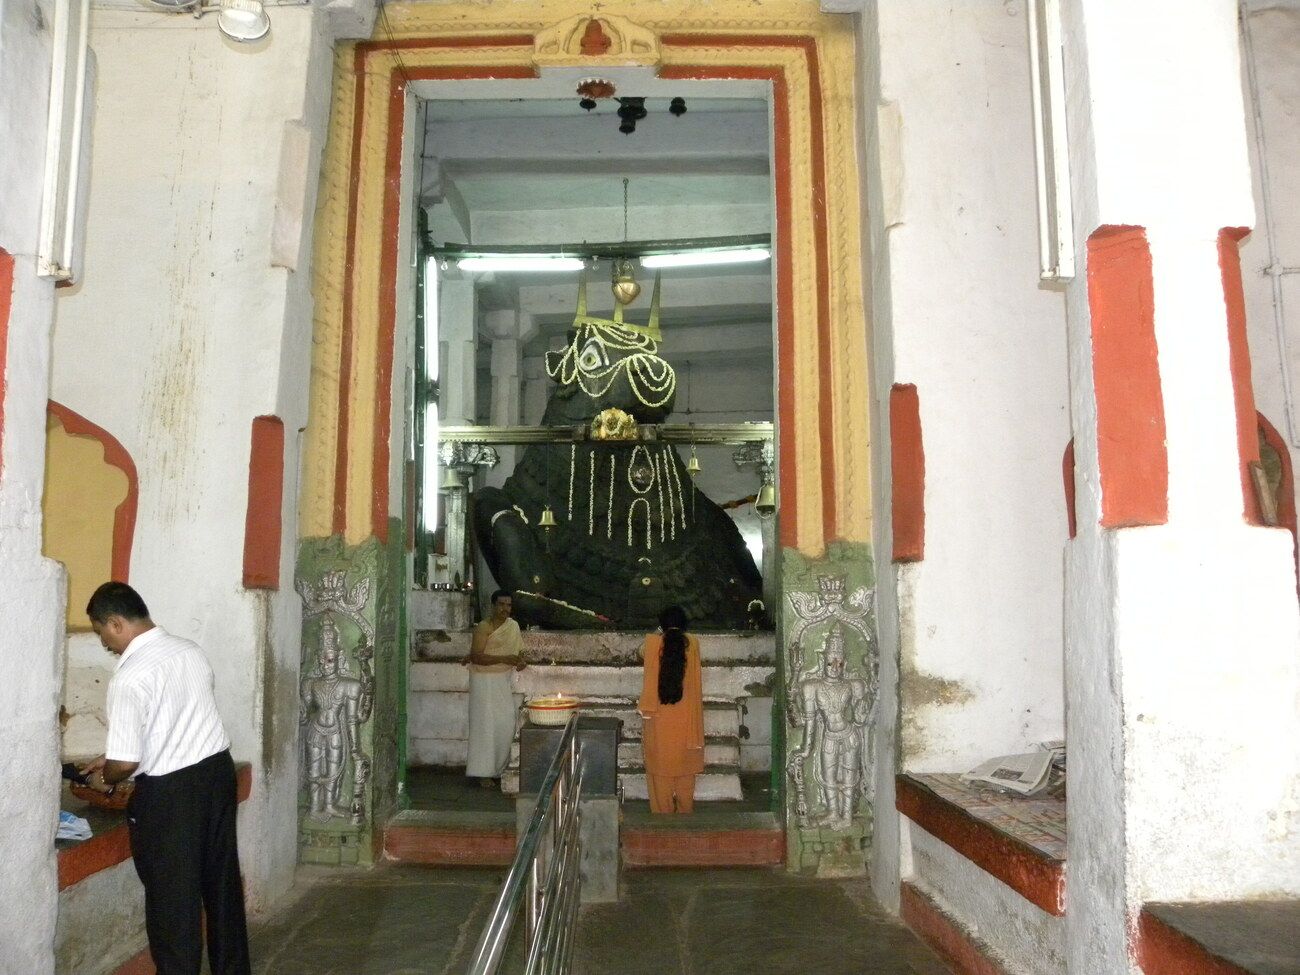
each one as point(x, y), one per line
point(433, 365)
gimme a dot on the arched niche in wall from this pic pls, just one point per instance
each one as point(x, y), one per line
point(89, 506)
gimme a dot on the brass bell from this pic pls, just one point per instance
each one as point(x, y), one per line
point(624, 287)
point(765, 503)
point(451, 480)
point(547, 520)
point(692, 464)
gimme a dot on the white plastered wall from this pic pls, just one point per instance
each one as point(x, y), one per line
point(31, 587)
point(194, 317)
point(971, 635)
point(1181, 637)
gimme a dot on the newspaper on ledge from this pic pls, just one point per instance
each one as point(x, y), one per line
point(1026, 774)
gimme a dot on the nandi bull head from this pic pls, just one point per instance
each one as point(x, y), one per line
point(610, 363)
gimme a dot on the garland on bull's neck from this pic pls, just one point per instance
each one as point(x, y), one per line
point(573, 463)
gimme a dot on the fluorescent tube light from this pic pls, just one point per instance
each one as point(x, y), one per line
point(705, 258)
point(520, 262)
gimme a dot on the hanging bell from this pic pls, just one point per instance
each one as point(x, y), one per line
point(692, 464)
point(547, 520)
point(450, 480)
point(624, 286)
point(765, 503)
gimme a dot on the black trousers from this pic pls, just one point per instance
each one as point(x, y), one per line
point(183, 840)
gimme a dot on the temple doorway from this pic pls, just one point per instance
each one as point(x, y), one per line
point(593, 421)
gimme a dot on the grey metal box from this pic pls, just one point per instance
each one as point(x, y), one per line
point(598, 738)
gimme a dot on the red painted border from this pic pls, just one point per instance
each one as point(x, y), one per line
point(262, 522)
point(6, 303)
point(907, 465)
point(1243, 395)
point(950, 941)
point(1032, 874)
point(1162, 950)
point(388, 280)
point(1131, 452)
point(115, 454)
point(1067, 475)
point(785, 252)
point(785, 274)
point(113, 846)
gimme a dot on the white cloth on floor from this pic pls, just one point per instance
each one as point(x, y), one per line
point(492, 712)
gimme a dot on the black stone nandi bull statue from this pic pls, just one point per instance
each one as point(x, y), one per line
point(631, 534)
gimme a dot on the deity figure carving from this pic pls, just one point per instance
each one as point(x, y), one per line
point(832, 709)
point(333, 705)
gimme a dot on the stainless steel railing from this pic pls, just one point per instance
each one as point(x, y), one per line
point(544, 874)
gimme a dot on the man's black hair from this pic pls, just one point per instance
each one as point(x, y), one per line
point(116, 599)
point(500, 594)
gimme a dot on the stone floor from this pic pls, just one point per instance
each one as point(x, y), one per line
point(420, 921)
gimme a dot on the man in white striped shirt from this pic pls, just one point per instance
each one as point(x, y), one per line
point(164, 730)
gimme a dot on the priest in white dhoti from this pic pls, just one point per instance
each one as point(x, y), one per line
point(496, 648)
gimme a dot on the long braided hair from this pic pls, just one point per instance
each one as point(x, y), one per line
point(672, 658)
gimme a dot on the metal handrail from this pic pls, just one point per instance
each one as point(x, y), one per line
point(544, 873)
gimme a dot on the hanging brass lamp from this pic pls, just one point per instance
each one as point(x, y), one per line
point(624, 284)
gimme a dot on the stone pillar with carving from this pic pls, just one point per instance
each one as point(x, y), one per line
point(348, 694)
point(829, 691)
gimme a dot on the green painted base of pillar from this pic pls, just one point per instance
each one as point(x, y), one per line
point(816, 596)
point(355, 592)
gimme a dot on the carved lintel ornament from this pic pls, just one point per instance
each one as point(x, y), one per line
point(588, 41)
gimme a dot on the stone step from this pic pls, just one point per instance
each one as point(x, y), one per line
point(718, 750)
point(715, 783)
point(722, 718)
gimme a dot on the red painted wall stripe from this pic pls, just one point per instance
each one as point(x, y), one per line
point(1243, 394)
point(1067, 475)
point(907, 463)
point(115, 454)
point(953, 943)
point(6, 303)
point(1163, 951)
point(262, 521)
point(1131, 451)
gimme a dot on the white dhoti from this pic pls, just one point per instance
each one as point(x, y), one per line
point(492, 712)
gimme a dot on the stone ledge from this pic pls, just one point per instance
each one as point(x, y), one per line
point(1032, 874)
point(1225, 938)
point(959, 949)
point(113, 846)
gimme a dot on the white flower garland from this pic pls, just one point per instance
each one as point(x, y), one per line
point(631, 512)
point(651, 379)
point(659, 492)
point(573, 463)
point(681, 497)
point(609, 516)
point(591, 495)
point(672, 510)
point(632, 463)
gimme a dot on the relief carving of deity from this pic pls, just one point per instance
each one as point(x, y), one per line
point(831, 706)
point(333, 704)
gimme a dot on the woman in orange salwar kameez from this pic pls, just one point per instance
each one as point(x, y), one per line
point(672, 704)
